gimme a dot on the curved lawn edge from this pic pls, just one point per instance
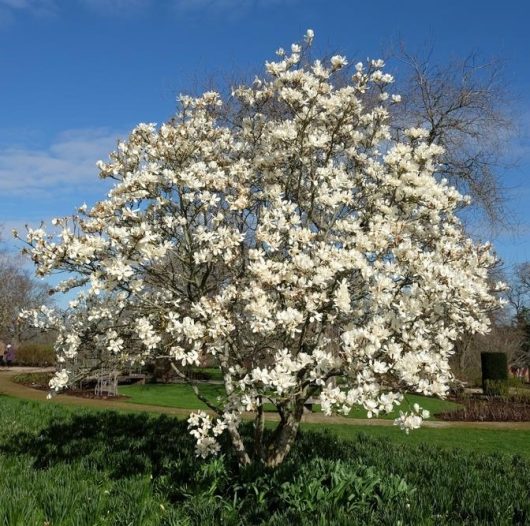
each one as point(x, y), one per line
point(10, 388)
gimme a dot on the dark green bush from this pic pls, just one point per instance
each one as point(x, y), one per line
point(35, 355)
point(494, 373)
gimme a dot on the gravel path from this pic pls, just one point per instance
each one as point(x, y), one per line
point(10, 388)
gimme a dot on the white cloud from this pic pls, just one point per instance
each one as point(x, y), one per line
point(35, 7)
point(67, 165)
point(232, 6)
point(124, 8)
point(116, 7)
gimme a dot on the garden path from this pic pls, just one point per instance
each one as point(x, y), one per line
point(10, 388)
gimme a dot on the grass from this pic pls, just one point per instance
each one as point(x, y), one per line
point(508, 441)
point(49, 484)
point(213, 372)
point(181, 395)
point(170, 395)
point(65, 466)
point(471, 439)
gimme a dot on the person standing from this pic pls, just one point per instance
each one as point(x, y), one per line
point(10, 354)
point(2, 352)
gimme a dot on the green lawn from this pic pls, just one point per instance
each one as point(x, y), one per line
point(434, 405)
point(181, 395)
point(468, 439)
point(170, 395)
point(68, 466)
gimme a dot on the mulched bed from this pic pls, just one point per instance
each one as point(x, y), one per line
point(490, 409)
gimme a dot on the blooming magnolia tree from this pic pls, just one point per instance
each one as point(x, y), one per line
point(289, 241)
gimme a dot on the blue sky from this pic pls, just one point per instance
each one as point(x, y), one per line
point(77, 74)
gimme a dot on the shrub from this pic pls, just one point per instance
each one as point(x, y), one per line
point(496, 388)
point(494, 373)
point(35, 354)
point(34, 379)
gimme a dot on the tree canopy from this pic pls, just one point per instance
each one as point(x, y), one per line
point(304, 251)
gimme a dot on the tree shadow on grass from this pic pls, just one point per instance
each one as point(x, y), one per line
point(126, 445)
point(123, 445)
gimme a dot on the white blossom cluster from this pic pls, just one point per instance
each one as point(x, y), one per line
point(295, 245)
point(205, 432)
point(411, 420)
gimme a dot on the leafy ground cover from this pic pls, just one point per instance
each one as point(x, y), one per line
point(181, 395)
point(68, 467)
point(36, 378)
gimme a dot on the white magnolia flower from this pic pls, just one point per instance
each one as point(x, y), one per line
point(338, 61)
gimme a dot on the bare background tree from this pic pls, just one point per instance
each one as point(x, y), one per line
point(519, 299)
point(465, 104)
point(468, 109)
point(504, 337)
point(18, 290)
point(519, 293)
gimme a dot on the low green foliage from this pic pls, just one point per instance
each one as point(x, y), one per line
point(495, 387)
point(40, 379)
point(68, 467)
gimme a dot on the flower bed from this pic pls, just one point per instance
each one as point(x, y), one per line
point(491, 409)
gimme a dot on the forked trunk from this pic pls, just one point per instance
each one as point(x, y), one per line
point(283, 437)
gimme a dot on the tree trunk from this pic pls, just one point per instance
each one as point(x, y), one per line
point(259, 426)
point(284, 437)
point(239, 448)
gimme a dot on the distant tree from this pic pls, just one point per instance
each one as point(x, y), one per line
point(18, 291)
point(519, 298)
point(519, 292)
point(503, 337)
point(510, 326)
point(466, 107)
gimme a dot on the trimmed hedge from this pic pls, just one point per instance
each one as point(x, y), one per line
point(494, 373)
